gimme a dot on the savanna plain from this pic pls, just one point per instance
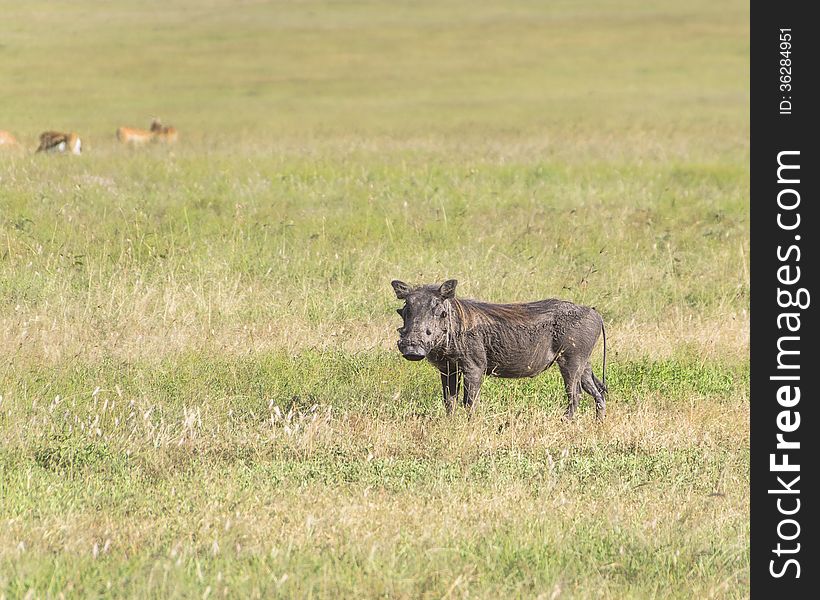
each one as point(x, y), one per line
point(200, 393)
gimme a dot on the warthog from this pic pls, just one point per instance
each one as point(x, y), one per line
point(467, 339)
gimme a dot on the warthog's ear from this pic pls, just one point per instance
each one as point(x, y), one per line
point(448, 289)
point(401, 289)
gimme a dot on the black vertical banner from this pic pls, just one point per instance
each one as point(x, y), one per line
point(784, 175)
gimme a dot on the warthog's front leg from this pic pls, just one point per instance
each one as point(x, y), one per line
point(449, 388)
point(472, 386)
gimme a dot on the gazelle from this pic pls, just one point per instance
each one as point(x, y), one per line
point(55, 141)
point(139, 137)
point(136, 137)
point(167, 135)
point(7, 140)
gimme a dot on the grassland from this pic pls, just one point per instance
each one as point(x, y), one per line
point(199, 390)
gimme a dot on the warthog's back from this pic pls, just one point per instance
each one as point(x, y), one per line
point(522, 340)
point(525, 314)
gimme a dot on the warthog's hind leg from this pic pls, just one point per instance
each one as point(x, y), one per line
point(591, 386)
point(599, 384)
point(572, 384)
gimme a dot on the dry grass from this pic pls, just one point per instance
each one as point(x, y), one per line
point(53, 338)
point(417, 503)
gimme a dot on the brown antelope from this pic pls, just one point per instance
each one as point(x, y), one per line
point(167, 135)
point(7, 140)
point(55, 141)
point(135, 137)
point(139, 137)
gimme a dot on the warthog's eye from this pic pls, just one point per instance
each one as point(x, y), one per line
point(443, 314)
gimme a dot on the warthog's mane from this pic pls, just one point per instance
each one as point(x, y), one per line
point(469, 314)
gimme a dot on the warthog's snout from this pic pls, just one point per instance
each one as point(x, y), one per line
point(412, 351)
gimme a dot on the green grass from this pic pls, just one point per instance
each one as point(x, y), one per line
point(342, 472)
point(200, 394)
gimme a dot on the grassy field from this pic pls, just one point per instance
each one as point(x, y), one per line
point(200, 394)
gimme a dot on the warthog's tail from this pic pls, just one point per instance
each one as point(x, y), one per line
point(602, 388)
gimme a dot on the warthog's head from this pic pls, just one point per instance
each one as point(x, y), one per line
point(425, 317)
